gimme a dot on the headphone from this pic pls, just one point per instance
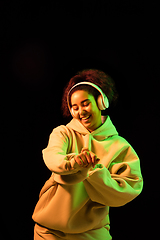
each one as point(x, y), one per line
point(102, 100)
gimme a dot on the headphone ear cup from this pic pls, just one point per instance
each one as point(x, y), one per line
point(106, 102)
point(103, 103)
point(100, 103)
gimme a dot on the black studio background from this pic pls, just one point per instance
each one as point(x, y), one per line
point(42, 45)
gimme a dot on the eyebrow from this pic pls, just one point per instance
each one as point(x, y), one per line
point(82, 101)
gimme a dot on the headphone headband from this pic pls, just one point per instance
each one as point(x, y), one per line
point(104, 99)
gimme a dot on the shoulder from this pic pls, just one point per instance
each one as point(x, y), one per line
point(122, 145)
point(61, 131)
point(59, 135)
point(119, 143)
point(119, 140)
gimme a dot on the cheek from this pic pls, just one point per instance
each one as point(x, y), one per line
point(89, 108)
point(75, 114)
point(94, 109)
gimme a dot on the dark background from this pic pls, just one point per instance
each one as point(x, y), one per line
point(43, 44)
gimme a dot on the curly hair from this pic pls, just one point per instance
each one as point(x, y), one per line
point(98, 77)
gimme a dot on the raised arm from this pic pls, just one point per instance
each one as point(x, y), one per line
point(60, 161)
point(56, 156)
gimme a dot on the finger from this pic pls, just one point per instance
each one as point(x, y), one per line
point(97, 161)
point(93, 157)
point(78, 160)
point(93, 161)
point(84, 158)
point(88, 156)
point(84, 149)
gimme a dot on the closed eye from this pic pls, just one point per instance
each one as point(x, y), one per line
point(74, 107)
point(86, 103)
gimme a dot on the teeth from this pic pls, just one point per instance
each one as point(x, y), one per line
point(85, 118)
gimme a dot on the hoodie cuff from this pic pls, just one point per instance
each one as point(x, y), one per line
point(77, 174)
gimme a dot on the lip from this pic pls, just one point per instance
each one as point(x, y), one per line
point(85, 119)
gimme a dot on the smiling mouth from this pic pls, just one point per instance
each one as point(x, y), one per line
point(85, 119)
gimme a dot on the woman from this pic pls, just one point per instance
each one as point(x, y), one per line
point(93, 168)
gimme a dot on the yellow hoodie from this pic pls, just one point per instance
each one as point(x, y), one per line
point(76, 200)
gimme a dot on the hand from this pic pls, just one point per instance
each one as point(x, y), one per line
point(86, 158)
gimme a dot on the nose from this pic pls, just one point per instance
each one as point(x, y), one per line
point(82, 111)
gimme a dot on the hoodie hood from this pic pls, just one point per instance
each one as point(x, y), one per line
point(104, 131)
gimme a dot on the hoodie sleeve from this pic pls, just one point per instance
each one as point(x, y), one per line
point(59, 161)
point(120, 183)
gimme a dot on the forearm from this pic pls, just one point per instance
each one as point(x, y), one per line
point(59, 163)
point(64, 167)
point(111, 191)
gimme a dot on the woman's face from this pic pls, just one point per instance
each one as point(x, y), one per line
point(85, 109)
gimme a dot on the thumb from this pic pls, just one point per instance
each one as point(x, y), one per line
point(84, 149)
